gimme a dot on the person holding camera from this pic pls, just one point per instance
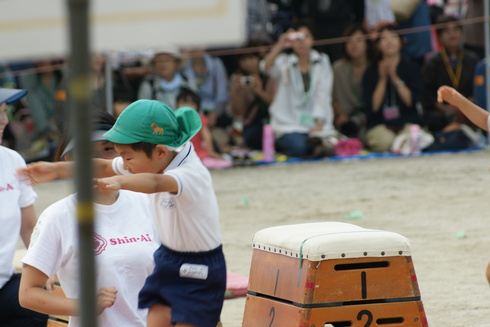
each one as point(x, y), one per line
point(302, 107)
point(251, 93)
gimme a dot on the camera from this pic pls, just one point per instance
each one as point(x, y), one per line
point(246, 80)
point(296, 36)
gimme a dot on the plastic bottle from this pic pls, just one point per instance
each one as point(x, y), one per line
point(268, 143)
point(414, 139)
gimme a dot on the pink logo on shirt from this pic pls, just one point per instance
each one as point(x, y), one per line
point(9, 187)
point(100, 244)
point(125, 239)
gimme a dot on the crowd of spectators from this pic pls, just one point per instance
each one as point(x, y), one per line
point(319, 72)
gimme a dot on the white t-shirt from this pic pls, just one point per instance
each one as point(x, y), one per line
point(294, 110)
point(125, 239)
point(13, 196)
point(187, 221)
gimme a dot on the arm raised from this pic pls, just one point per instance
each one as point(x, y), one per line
point(42, 171)
point(143, 182)
point(477, 115)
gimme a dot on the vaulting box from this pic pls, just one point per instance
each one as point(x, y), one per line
point(332, 266)
point(267, 312)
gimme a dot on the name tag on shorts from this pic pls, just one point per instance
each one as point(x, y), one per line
point(188, 270)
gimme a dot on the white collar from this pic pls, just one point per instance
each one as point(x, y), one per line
point(180, 157)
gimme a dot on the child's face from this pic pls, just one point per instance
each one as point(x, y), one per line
point(137, 161)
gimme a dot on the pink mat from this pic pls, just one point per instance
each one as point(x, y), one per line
point(236, 285)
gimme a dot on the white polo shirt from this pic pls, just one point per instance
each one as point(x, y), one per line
point(14, 195)
point(187, 221)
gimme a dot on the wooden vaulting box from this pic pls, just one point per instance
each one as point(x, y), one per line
point(332, 274)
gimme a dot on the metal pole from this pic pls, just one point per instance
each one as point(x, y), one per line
point(108, 85)
point(486, 34)
point(81, 114)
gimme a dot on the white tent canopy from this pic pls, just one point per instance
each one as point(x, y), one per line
point(33, 28)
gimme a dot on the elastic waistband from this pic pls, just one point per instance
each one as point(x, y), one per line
point(201, 254)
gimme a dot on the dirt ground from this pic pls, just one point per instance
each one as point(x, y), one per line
point(440, 203)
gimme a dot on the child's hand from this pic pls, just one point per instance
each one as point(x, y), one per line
point(107, 184)
point(49, 285)
point(447, 94)
point(38, 172)
point(285, 40)
point(106, 296)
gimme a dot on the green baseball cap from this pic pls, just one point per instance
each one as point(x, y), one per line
point(154, 122)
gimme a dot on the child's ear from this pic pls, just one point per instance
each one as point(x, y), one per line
point(161, 151)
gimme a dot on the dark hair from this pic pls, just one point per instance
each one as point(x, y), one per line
point(252, 43)
point(305, 22)
point(390, 28)
point(446, 19)
point(101, 119)
point(349, 31)
point(187, 94)
point(146, 147)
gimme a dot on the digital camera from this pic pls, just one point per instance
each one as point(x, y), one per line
point(296, 36)
point(246, 80)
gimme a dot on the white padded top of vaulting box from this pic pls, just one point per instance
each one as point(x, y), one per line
point(330, 240)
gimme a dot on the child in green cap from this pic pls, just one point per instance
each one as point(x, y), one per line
point(155, 156)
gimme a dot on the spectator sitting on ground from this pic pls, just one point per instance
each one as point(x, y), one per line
point(302, 106)
point(357, 54)
point(391, 90)
point(251, 93)
point(211, 77)
point(166, 80)
point(454, 66)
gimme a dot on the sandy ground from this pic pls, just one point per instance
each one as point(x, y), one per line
point(440, 203)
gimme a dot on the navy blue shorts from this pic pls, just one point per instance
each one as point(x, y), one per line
point(192, 284)
point(11, 313)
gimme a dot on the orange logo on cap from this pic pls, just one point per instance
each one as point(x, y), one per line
point(157, 130)
point(479, 80)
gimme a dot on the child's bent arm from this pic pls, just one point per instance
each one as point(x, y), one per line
point(477, 115)
point(32, 295)
point(143, 182)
